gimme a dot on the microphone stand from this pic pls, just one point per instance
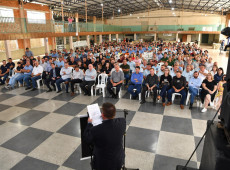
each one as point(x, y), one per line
point(124, 168)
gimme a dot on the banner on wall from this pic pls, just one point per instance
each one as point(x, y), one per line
point(80, 44)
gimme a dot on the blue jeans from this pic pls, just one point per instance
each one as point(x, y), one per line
point(34, 81)
point(59, 81)
point(25, 78)
point(182, 92)
point(164, 89)
point(134, 86)
point(194, 93)
point(126, 78)
point(14, 79)
point(4, 78)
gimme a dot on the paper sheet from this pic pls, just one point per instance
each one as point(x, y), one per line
point(94, 114)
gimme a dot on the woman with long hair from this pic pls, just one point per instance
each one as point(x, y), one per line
point(209, 87)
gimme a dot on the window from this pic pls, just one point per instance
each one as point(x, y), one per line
point(37, 42)
point(6, 15)
point(34, 17)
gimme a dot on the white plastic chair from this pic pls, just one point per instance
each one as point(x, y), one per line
point(38, 83)
point(119, 94)
point(173, 96)
point(102, 80)
point(188, 98)
point(78, 87)
point(13, 73)
point(139, 95)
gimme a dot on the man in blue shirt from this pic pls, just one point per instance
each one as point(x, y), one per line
point(136, 81)
point(60, 63)
point(27, 70)
point(131, 64)
point(194, 85)
point(28, 53)
point(54, 54)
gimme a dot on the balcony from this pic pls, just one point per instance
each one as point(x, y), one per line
point(22, 25)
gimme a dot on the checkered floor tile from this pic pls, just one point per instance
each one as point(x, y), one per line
point(41, 130)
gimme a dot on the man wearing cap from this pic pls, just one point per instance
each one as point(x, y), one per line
point(178, 86)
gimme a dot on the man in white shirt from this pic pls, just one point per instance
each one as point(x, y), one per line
point(35, 75)
point(65, 77)
point(90, 77)
point(77, 77)
point(202, 72)
point(209, 64)
point(187, 73)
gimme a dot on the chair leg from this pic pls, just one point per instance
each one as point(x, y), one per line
point(173, 97)
point(188, 97)
point(38, 84)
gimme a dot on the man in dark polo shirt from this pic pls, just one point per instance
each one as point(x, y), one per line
point(151, 83)
point(126, 69)
point(116, 80)
point(4, 72)
point(178, 86)
point(10, 65)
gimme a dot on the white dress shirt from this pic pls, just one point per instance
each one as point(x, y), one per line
point(67, 71)
point(37, 70)
point(78, 74)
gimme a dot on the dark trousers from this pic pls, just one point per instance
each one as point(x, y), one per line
point(164, 89)
point(143, 92)
point(72, 82)
point(134, 86)
point(182, 92)
point(110, 86)
point(50, 81)
point(88, 89)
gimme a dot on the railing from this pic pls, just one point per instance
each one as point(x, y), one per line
point(22, 25)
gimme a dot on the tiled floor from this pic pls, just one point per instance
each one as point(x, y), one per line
point(40, 131)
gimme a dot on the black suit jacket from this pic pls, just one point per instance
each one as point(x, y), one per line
point(107, 139)
point(57, 70)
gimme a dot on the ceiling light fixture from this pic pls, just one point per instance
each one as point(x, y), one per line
point(172, 8)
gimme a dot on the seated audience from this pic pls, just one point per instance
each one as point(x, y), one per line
point(116, 80)
point(77, 77)
point(90, 78)
point(150, 85)
point(65, 73)
point(135, 83)
point(27, 71)
point(4, 72)
point(194, 86)
point(14, 78)
point(178, 86)
point(208, 92)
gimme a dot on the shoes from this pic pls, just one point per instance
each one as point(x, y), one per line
point(163, 104)
point(89, 94)
point(49, 90)
point(58, 91)
point(72, 94)
point(115, 96)
point(67, 92)
point(27, 88)
point(7, 87)
point(158, 97)
point(54, 88)
point(142, 102)
point(169, 103)
point(182, 106)
point(204, 110)
point(190, 107)
point(34, 89)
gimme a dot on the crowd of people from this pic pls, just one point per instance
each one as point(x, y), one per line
point(143, 68)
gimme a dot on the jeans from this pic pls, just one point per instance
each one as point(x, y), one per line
point(134, 86)
point(34, 81)
point(110, 86)
point(182, 92)
point(25, 78)
point(4, 78)
point(59, 81)
point(194, 93)
point(144, 89)
point(126, 79)
point(14, 79)
point(164, 89)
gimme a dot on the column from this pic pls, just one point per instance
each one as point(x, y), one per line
point(135, 37)
point(7, 48)
point(88, 40)
point(46, 45)
point(199, 39)
point(177, 37)
point(155, 37)
point(71, 42)
point(77, 26)
point(109, 37)
point(94, 23)
point(100, 39)
point(95, 39)
point(117, 37)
